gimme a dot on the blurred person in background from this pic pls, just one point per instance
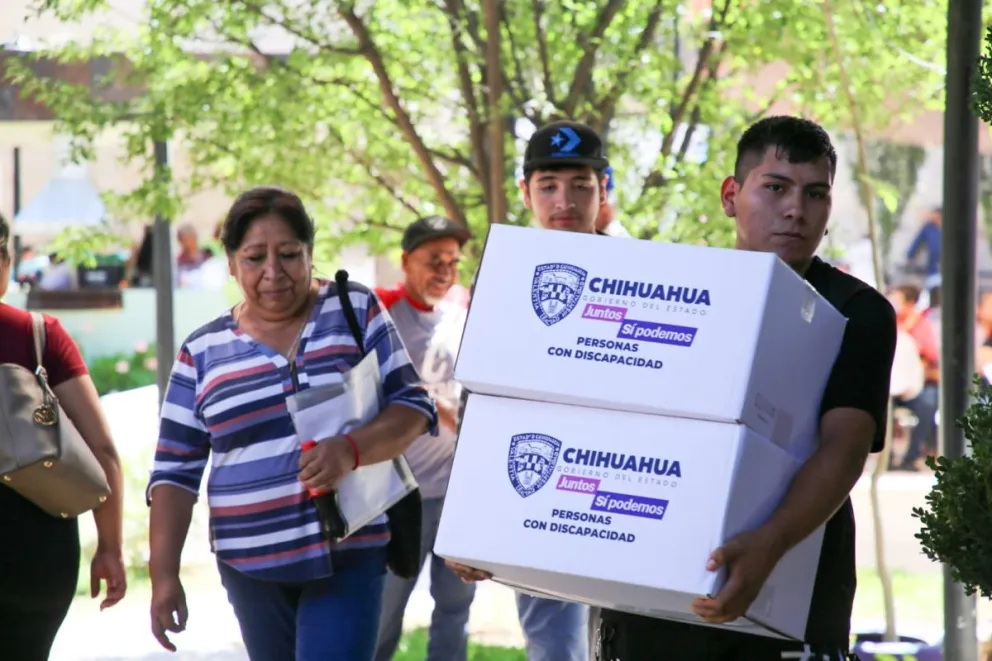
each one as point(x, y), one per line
point(911, 320)
point(927, 240)
point(295, 595)
point(39, 554)
point(59, 276)
point(430, 322)
point(607, 222)
point(983, 334)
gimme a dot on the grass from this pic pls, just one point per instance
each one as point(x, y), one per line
point(919, 598)
point(413, 647)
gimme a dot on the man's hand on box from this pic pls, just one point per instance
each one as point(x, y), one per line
point(750, 558)
point(468, 574)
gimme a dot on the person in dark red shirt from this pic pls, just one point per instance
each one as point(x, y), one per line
point(39, 554)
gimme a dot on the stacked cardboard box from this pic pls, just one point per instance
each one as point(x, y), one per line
point(634, 405)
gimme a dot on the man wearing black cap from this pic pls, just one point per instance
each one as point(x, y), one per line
point(564, 186)
point(431, 326)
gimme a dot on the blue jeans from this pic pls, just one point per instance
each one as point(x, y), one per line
point(554, 630)
point(924, 406)
point(448, 639)
point(331, 619)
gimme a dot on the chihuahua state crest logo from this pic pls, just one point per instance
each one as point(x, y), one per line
point(531, 462)
point(556, 291)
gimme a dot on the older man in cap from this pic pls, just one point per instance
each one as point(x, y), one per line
point(430, 324)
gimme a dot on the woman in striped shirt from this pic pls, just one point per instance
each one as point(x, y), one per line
point(295, 596)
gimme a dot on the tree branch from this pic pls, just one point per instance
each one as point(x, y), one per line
point(374, 57)
point(472, 29)
point(689, 95)
point(305, 35)
point(583, 70)
point(389, 186)
point(542, 47)
point(706, 71)
point(476, 129)
point(608, 104)
point(377, 224)
point(524, 88)
point(769, 102)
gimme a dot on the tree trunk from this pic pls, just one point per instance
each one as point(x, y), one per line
point(869, 196)
point(497, 167)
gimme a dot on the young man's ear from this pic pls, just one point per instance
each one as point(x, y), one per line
point(525, 193)
point(728, 196)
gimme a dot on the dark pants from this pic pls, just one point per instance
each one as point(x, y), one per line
point(39, 569)
point(924, 407)
point(628, 638)
point(448, 639)
point(331, 619)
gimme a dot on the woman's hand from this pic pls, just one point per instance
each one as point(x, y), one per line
point(324, 466)
point(108, 566)
point(168, 609)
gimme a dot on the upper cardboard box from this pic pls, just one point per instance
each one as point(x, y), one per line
point(642, 326)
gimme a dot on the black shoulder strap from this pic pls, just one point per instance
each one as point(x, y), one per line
point(341, 278)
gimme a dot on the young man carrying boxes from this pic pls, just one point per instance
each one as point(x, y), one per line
point(779, 196)
point(565, 187)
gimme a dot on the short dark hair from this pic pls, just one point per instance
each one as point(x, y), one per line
point(910, 292)
point(263, 201)
point(799, 140)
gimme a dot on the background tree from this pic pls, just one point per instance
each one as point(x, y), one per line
point(379, 112)
point(894, 170)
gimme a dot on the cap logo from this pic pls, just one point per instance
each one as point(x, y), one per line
point(436, 224)
point(565, 142)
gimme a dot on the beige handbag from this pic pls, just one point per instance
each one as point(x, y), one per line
point(42, 456)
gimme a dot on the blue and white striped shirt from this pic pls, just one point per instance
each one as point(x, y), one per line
point(227, 398)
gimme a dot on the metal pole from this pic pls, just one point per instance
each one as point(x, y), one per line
point(957, 360)
point(165, 332)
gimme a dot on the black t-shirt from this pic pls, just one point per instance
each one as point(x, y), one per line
point(859, 380)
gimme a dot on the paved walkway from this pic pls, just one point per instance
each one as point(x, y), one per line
point(122, 633)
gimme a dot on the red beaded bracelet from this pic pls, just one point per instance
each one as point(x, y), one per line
point(354, 449)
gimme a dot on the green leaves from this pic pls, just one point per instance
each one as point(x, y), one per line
point(982, 84)
point(957, 520)
point(378, 113)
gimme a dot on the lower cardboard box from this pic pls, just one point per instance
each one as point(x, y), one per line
point(619, 510)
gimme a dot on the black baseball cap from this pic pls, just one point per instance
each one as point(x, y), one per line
point(433, 227)
point(565, 143)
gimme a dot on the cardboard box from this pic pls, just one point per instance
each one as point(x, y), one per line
point(641, 326)
point(619, 510)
